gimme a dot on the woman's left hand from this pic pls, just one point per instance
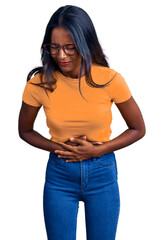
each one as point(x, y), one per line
point(83, 151)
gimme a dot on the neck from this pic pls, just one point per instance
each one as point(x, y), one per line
point(75, 74)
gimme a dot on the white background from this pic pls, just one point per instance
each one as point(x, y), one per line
point(131, 34)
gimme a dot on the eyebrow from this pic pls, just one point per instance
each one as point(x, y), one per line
point(64, 44)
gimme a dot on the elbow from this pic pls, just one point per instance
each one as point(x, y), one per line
point(138, 133)
point(141, 133)
point(24, 135)
point(21, 135)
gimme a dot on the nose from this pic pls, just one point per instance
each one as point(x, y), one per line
point(61, 53)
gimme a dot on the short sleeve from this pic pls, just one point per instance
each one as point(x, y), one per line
point(119, 90)
point(31, 95)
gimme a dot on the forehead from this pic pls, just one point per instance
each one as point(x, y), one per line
point(60, 36)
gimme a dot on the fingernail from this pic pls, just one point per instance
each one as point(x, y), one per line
point(71, 139)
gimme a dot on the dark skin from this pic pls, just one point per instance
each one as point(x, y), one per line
point(27, 118)
point(80, 148)
point(136, 130)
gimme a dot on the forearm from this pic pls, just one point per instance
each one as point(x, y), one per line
point(37, 140)
point(123, 140)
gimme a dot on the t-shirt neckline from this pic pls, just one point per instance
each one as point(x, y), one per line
point(72, 80)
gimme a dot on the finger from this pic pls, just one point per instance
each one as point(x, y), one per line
point(72, 161)
point(83, 137)
point(97, 143)
point(68, 147)
point(63, 153)
point(66, 156)
point(80, 137)
point(78, 140)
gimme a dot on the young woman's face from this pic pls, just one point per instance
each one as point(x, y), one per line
point(69, 65)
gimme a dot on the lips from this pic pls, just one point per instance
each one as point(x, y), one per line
point(64, 63)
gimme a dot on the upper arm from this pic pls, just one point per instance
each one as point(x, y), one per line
point(132, 115)
point(27, 117)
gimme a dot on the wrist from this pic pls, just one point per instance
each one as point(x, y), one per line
point(101, 149)
point(55, 146)
point(97, 151)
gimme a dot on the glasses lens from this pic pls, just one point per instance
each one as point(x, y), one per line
point(70, 49)
point(53, 48)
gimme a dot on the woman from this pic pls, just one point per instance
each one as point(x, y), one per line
point(76, 88)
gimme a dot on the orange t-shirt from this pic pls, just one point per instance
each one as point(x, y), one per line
point(68, 114)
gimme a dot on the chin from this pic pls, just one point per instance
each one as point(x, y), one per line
point(65, 69)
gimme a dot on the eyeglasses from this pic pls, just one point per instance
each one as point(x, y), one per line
point(53, 48)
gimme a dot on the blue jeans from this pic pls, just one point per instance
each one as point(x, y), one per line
point(93, 181)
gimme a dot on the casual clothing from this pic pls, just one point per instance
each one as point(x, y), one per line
point(95, 183)
point(69, 114)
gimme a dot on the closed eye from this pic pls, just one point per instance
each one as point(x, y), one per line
point(70, 46)
point(54, 46)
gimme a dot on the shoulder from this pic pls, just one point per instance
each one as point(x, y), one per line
point(101, 74)
point(36, 79)
point(33, 86)
point(35, 83)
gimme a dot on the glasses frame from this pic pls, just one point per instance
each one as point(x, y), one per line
point(58, 49)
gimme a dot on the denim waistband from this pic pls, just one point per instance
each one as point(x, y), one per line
point(110, 155)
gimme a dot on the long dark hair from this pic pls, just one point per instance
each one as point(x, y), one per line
point(80, 27)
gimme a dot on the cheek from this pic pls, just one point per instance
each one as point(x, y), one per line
point(54, 58)
point(77, 59)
